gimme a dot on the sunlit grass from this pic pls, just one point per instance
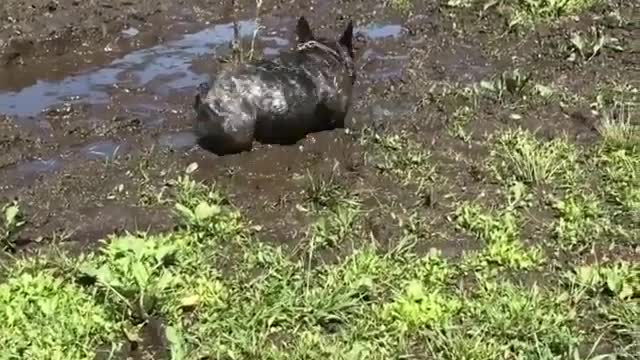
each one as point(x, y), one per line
point(519, 155)
point(46, 317)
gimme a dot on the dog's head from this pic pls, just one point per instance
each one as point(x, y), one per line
point(341, 48)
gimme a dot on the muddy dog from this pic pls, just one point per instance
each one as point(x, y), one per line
point(278, 101)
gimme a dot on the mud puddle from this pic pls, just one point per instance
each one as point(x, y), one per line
point(166, 67)
point(148, 93)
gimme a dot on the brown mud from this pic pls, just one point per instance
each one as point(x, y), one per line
point(95, 113)
point(96, 96)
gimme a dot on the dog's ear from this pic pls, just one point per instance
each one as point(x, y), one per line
point(347, 37)
point(303, 30)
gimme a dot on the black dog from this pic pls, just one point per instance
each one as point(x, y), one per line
point(280, 101)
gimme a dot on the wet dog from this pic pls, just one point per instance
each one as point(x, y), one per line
point(278, 101)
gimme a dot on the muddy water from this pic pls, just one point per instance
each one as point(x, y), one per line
point(147, 84)
point(168, 62)
point(167, 67)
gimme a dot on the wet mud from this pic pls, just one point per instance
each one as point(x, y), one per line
point(95, 115)
point(89, 147)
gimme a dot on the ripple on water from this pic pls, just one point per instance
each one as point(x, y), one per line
point(378, 31)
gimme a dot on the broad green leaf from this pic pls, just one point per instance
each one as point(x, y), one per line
point(176, 343)
point(11, 214)
point(205, 211)
point(614, 282)
point(415, 290)
point(166, 280)
point(626, 292)
point(103, 274)
point(129, 243)
point(190, 301)
point(586, 275)
point(163, 251)
point(141, 274)
point(185, 211)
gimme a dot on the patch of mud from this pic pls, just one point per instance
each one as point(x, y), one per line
point(180, 141)
point(91, 145)
point(29, 171)
point(161, 69)
point(110, 137)
point(461, 62)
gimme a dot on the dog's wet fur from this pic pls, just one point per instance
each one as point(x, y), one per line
point(278, 101)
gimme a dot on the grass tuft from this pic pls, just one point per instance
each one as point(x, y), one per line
point(518, 155)
point(10, 224)
point(581, 222)
point(531, 12)
point(501, 233)
point(402, 157)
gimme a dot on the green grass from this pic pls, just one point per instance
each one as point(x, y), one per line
point(47, 317)
point(503, 318)
point(584, 46)
point(530, 12)
point(335, 226)
point(223, 293)
point(326, 192)
point(402, 157)
point(613, 289)
point(402, 6)
point(500, 232)
point(456, 125)
point(10, 224)
point(518, 155)
point(581, 221)
point(512, 84)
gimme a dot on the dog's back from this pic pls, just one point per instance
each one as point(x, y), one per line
point(277, 101)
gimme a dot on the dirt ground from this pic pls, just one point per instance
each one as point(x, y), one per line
point(98, 163)
point(96, 114)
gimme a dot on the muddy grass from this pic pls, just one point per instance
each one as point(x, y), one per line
point(483, 202)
